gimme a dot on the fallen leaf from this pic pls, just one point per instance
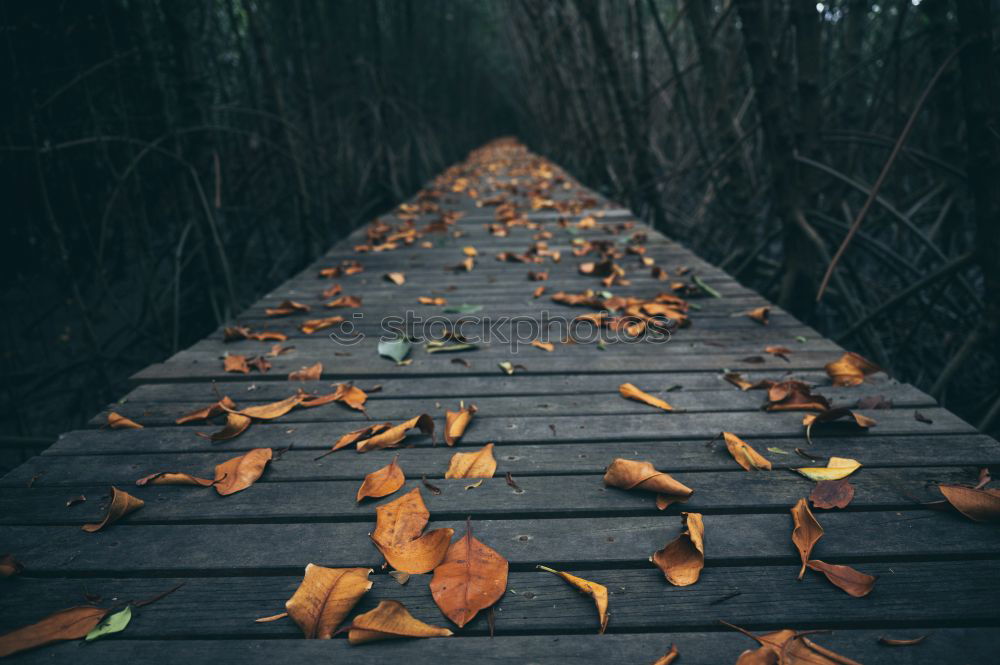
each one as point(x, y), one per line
point(598, 592)
point(427, 300)
point(401, 520)
point(330, 291)
point(391, 437)
point(122, 503)
point(382, 482)
point(310, 373)
point(832, 494)
point(259, 363)
point(835, 469)
point(683, 558)
point(287, 308)
point(396, 278)
point(666, 659)
point(860, 420)
point(390, 619)
point(207, 412)
point(632, 474)
point(788, 647)
point(737, 380)
point(270, 411)
point(114, 623)
point(629, 391)
point(241, 472)
point(479, 464)
point(760, 315)
point(235, 333)
point(805, 533)
point(850, 369)
point(896, 642)
point(538, 276)
point(979, 505)
point(779, 351)
point(794, 395)
point(173, 478)
point(325, 597)
point(10, 566)
point(506, 367)
point(744, 454)
point(456, 422)
point(538, 292)
point(921, 418)
point(544, 346)
point(236, 424)
point(851, 581)
point(273, 617)
point(344, 301)
point(118, 421)
point(470, 251)
point(400, 577)
point(352, 396)
point(472, 577)
point(464, 308)
point(357, 435)
point(397, 349)
point(315, 325)
point(68, 624)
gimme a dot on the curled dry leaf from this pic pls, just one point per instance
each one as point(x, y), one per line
point(472, 577)
point(207, 412)
point(632, 474)
point(544, 346)
point(173, 478)
point(921, 418)
point(832, 494)
point(794, 395)
point(420, 555)
point(343, 301)
point(325, 597)
point(737, 380)
point(853, 582)
point(629, 391)
point(118, 421)
point(122, 503)
point(352, 396)
point(315, 325)
point(779, 351)
point(744, 454)
point(805, 533)
point(760, 315)
point(683, 558)
point(310, 373)
point(10, 566)
point(330, 291)
point(851, 417)
point(236, 424)
point(456, 422)
point(357, 435)
point(470, 251)
point(598, 592)
point(979, 505)
point(478, 464)
point(382, 482)
point(388, 620)
point(787, 647)
point(396, 278)
point(850, 369)
point(235, 363)
point(428, 300)
point(835, 469)
point(69, 624)
point(672, 655)
point(270, 411)
point(235, 333)
point(399, 524)
point(273, 617)
point(287, 308)
point(241, 472)
point(538, 292)
point(897, 642)
point(391, 437)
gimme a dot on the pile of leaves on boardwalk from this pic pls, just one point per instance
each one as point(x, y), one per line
point(466, 574)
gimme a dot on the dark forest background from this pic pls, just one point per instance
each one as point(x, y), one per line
point(164, 162)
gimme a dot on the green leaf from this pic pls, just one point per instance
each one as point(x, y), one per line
point(705, 287)
point(778, 451)
point(801, 340)
point(605, 294)
point(397, 349)
point(506, 366)
point(462, 309)
point(114, 623)
point(601, 346)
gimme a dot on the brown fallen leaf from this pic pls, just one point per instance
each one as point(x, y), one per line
point(544, 346)
point(400, 577)
point(235, 363)
point(470, 251)
point(538, 276)
point(352, 396)
point(330, 291)
point(382, 482)
point(671, 656)
point(10, 566)
point(979, 505)
point(390, 619)
point(417, 556)
point(391, 437)
point(538, 292)
point(173, 478)
point(921, 418)
point(343, 301)
point(273, 617)
point(841, 413)
point(598, 592)
point(270, 411)
point(401, 520)
point(851, 581)
point(315, 325)
point(310, 373)
point(287, 308)
point(632, 474)
point(897, 642)
point(760, 315)
point(259, 363)
point(737, 380)
point(428, 300)
point(235, 333)
point(850, 369)
point(76, 500)
point(122, 503)
point(788, 647)
point(744, 454)
point(629, 391)
point(207, 412)
point(236, 424)
point(325, 597)
point(779, 351)
point(472, 577)
point(69, 624)
point(805, 533)
point(835, 469)
point(118, 421)
point(794, 395)
point(478, 464)
point(396, 278)
point(683, 558)
point(241, 472)
point(357, 435)
point(832, 494)
point(456, 422)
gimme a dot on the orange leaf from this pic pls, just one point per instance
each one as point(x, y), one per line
point(428, 300)
point(287, 308)
point(236, 424)
point(10, 566)
point(629, 391)
point(479, 464)
point(544, 346)
point(352, 396)
point(760, 315)
point(241, 472)
point(668, 657)
point(382, 482)
point(979, 505)
point(118, 421)
point(272, 410)
point(456, 422)
point(853, 582)
point(314, 325)
point(330, 291)
point(806, 532)
point(537, 293)
point(388, 620)
point(235, 363)
point(122, 503)
point(325, 597)
point(598, 592)
point(744, 454)
point(794, 395)
point(310, 373)
point(850, 369)
point(832, 493)
point(392, 436)
point(401, 520)
point(683, 558)
point(68, 624)
point(396, 278)
point(633, 474)
point(209, 411)
point(420, 555)
point(344, 301)
point(472, 577)
point(173, 478)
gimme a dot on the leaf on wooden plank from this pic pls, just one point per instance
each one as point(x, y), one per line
point(779, 351)
point(417, 556)
point(850, 369)
point(472, 577)
point(397, 349)
point(598, 592)
point(273, 617)
point(233, 362)
point(400, 577)
point(259, 363)
point(391, 437)
point(428, 300)
point(236, 424)
point(805, 533)
point(390, 619)
point(68, 624)
point(272, 410)
point(921, 418)
point(287, 308)
point(851, 581)
point(357, 435)
point(118, 421)
point(325, 597)
point(456, 422)
point(760, 315)
point(633, 474)
point(173, 478)
point(396, 278)
point(122, 503)
point(629, 391)
point(241, 472)
point(235, 333)
point(382, 482)
point(737, 380)
point(842, 413)
point(401, 520)
point(901, 642)
point(207, 412)
point(352, 396)
point(441, 346)
point(506, 367)
point(788, 647)
point(538, 292)
point(544, 346)
point(343, 301)
point(832, 494)
point(310, 373)
point(464, 308)
point(835, 469)
point(10, 566)
point(979, 505)
point(478, 464)
point(310, 326)
point(111, 624)
point(470, 251)
point(683, 558)
point(794, 395)
point(744, 454)
point(671, 656)
point(538, 276)
point(331, 291)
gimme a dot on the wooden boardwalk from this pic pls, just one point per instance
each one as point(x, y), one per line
point(557, 422)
